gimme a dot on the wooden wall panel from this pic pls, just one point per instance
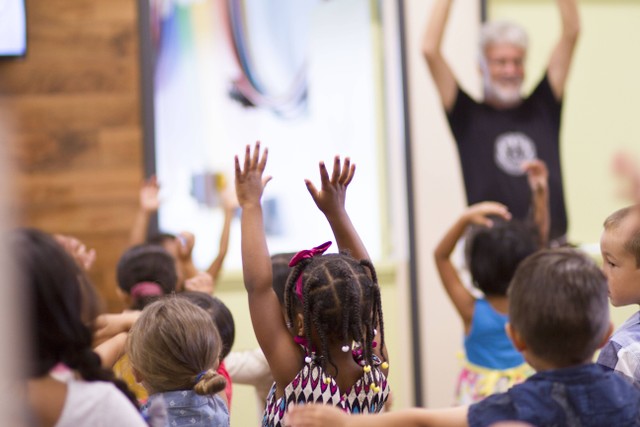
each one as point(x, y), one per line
point(73, 109)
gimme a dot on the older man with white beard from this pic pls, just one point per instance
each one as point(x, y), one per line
point(496, 136)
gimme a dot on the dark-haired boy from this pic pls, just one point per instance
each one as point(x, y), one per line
point(559, 316)
point(620, 247)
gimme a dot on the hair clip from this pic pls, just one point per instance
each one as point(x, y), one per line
point(345, 348)
point(201, 375)
point(327, 380)
point(374, 388)
point(385, 365)
point(375, 332)
point(367, 368)
point(307, 359)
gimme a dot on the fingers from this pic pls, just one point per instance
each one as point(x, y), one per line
point(263, 162)
point(324, 175)
point(247, 158)
point(311, 188)
point(335, 175)
point(350, 172)
point(255, 160)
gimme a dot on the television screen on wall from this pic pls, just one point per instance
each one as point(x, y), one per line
point(13, 28)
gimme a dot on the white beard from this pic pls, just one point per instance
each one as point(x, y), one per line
point(505, 96)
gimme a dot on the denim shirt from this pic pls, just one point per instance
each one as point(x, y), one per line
point(187, 408)
point(586, 395)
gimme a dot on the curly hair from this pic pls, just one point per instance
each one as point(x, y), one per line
point(340, 303)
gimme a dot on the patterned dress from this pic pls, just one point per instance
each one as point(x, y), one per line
point(367, 395)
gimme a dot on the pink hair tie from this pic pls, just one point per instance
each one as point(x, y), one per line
point(306, 254)
point(145, 289)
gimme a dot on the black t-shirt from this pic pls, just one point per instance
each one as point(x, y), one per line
point(493, 143)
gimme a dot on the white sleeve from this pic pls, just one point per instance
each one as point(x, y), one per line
point(247, 367)
point(119, 411)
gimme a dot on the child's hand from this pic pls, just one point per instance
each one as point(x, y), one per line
point(249, 180)
point(479, 213)
point(333, 192)
point(149, 200)
point(109, 325)
point(626, 168)
point(537, 174)
point(202, 282)
point(186, 242)
point(316, 415)
point(83, 257)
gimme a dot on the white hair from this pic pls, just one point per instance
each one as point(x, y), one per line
point(497, 32)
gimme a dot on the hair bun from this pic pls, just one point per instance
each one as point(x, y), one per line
point(209, 382)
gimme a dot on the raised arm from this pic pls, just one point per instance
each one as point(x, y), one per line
point(562, 54)
point(538, 177)
point(269, 326)
point(441, 73)
point(330, 199)
point(149, 203)
point(462, 299)
point(229, 205)
point(186, 242)
point(315, 415)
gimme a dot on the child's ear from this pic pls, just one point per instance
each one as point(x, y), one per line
point(515, 338)
point(607, 335)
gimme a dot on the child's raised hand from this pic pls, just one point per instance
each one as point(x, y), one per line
point(202, 282)
point(83, 257)
point(537, 174)
point(186, 242)
point(627, 169)
point(249, 180)
point(149, 200)
point(480, 212)
point(333, 191)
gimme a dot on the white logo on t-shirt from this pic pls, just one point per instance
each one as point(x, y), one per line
point(511, 149)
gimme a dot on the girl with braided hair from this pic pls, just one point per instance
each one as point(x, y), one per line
point(66, 385)
point(330, 348)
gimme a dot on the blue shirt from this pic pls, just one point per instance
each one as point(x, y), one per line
point(187, 408)
point(487, 344)
point(585, 395)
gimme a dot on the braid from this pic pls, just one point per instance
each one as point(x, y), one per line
point(87, 363)
point(376, 312)
point(341, 303)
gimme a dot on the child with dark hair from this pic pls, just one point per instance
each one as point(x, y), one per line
point(145, 273)
point(174, 348)
point(332, 303)
point(559, 316)
point(223, 320)
point(620, 247)
point(67, 385)
point(495, 248)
